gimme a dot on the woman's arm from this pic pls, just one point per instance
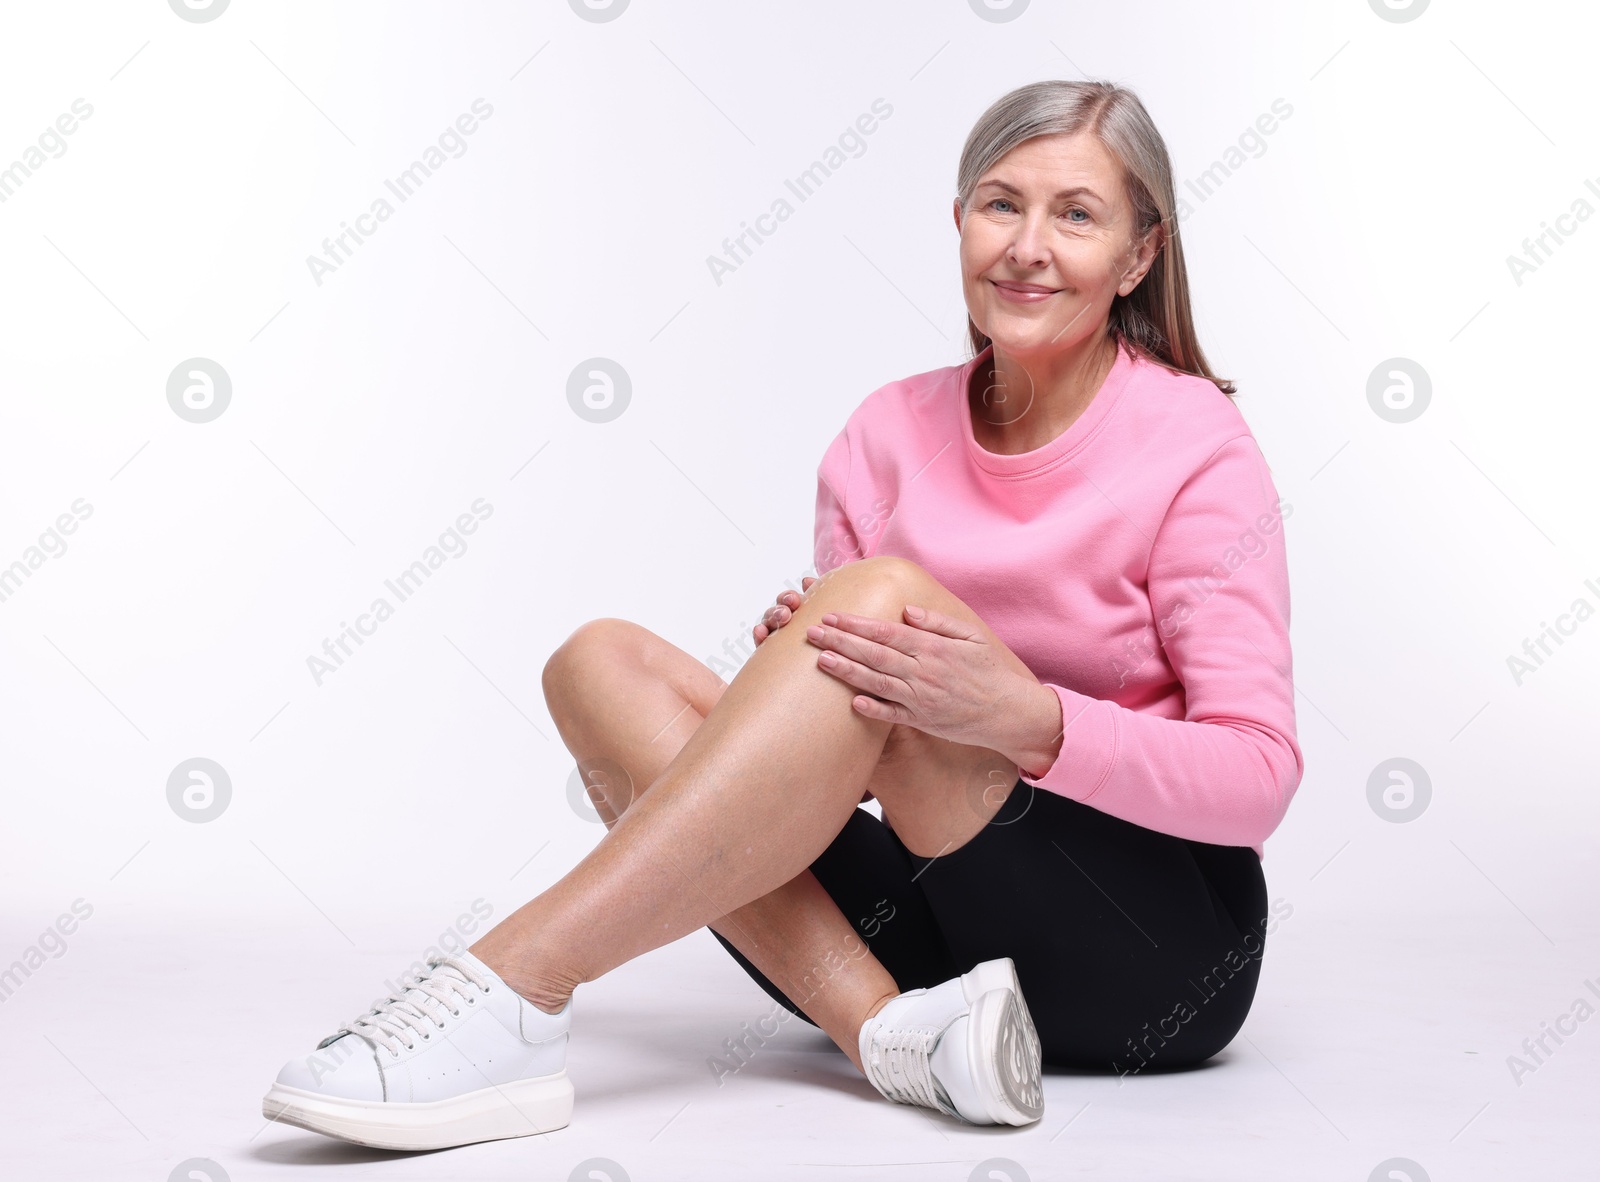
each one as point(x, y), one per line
point(1027, 727)
point(835, 541)
point(1219, 594)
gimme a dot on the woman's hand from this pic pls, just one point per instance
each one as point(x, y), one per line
point(777, 617)
point(937, 674)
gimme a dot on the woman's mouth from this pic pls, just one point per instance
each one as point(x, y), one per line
point(1023, 293)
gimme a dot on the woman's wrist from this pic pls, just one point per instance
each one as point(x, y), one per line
point(1035, 741)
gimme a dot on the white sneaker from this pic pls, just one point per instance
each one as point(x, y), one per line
point(456, 1056)
point(966, 1048)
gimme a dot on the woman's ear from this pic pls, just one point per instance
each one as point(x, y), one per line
point(956, 210)
point(1144, 257)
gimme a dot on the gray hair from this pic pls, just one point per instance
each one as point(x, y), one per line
point(1155, 318)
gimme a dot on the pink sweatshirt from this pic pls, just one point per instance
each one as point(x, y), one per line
point(1135, 564)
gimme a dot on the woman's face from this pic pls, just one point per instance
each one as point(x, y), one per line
point(1047, 243)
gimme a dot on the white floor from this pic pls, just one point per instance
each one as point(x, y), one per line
point(147, 1047)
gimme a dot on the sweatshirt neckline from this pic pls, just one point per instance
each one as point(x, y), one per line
point(1082, 429)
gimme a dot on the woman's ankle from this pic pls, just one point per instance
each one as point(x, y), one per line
point(531, 976)
point(878, 1004)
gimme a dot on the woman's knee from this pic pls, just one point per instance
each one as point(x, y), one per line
point(882, 584)
point(606, 640)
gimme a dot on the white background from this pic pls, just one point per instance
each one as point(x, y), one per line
point(431, 369)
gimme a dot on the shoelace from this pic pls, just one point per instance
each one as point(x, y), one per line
point(415, 1011)
point(901, 1068)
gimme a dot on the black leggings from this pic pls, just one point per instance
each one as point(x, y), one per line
point(1135, 950)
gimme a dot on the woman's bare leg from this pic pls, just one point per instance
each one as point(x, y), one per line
point(625, 702)
point(758, 790)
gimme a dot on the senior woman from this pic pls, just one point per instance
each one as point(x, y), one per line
point(1050, 637)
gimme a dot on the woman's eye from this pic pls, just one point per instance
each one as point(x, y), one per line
point(1076, 221)
point(998, 201)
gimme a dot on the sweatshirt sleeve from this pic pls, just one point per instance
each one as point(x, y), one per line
point(1219, 597)
point(834, 540)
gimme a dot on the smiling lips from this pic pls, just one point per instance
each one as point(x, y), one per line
point(1023, 293)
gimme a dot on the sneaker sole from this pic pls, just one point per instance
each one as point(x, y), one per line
point(517, 1109)
point(1004, 1046)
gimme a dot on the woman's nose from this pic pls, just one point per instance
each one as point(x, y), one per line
point(1028, 247)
